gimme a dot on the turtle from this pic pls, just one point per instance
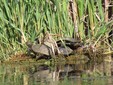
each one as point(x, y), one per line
point(42, 49)
point(65, 50)
point(39, 49)
point(70, 42)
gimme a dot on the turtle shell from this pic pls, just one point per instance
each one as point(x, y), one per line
point(70, 42)
point(65, 50)
point(68, 39)
point(42, 49)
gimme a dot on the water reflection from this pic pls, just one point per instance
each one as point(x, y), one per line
point(59, 74)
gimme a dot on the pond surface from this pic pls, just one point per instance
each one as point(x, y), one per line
point(57, 74)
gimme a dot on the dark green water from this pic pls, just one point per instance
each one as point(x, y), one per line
point(66, 74)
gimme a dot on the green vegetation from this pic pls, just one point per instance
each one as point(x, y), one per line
point(23, 20)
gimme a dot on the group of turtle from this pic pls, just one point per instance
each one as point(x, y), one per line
point(50, 47)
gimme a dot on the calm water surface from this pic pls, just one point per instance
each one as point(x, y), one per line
point(66, 74)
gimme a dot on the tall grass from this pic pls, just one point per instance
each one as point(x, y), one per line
point(22, 20)
point(91, 19)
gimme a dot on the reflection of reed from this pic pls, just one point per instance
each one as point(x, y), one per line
point(25, 79)
point(107, 68)
point(107, 64)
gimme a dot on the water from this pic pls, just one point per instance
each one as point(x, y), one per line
point(58, 74)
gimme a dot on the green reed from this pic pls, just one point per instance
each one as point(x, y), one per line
point(23, 20)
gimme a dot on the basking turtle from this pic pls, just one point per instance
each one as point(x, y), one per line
point(39, 49)
point(70, 42)
point(42, 49)
point(64, 50)
point(47, 47)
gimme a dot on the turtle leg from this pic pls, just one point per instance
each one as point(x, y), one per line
point(37, 56)
point(41, 56)
point(30, 53)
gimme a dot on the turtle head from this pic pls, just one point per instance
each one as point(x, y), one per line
point(29, 44)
